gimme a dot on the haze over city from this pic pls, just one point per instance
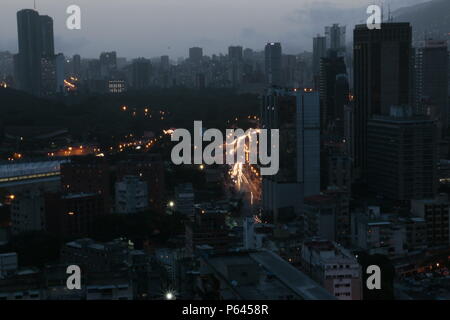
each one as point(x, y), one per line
point(171, 26)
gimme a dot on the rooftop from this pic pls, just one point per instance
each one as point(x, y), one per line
point(276, 278)
point(27, 169)
point(78, 195)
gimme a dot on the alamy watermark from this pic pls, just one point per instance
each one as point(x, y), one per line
point(373, 281)
point(250, 147)
point(73, 22)
point(374, 20)
point(74, 280)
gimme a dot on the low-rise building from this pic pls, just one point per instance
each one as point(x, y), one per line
point(327, 216)
point(436, 214)
point(96, 257)
point(184, 199)
point(208, 227)
point(8, 264)
point(23, 284)
point(335, 268)
point(416, 233)
point(174, 262)
point(255, 275)
point(72, 214)
point(378, 233)
point(131, 195)
point(28, 211)
point(255, 234)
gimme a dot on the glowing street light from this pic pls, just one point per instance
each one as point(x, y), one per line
point(169, 296)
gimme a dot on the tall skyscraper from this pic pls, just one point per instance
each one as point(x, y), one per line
point(308, 141)
point(48, 46)
point(296, 115)
point(334, 92)
point(35, 65)
point(30, 51)
point(431, 82)
point(273, 64)
point(382, 78)
point(289, 70)
point(319, 52)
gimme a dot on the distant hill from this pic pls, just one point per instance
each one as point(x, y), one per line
point(429, 20)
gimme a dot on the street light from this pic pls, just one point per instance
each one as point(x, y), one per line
point(169, 296)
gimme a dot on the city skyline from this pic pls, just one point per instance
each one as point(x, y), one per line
point(211, 32)
point(130, 174)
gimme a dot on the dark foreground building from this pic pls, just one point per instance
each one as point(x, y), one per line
point(402, 156)
point(382, 78)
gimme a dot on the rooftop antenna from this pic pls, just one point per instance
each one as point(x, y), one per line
point(34, 4)
point(389, 13)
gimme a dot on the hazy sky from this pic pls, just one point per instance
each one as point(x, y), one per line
point(151, 28)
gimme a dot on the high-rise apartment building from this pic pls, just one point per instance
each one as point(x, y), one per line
point(235, 53)
point(108, 64)
point(236, 68)
point(335, 37)
point(141, 69)
point(319, 52)
point(76, 65)
point(431, 82)
point(30, 51)
point(36, 51)
point(273, 64)
point(195, 54)
point(334, 92)
point(48, 45)
point(296, 115)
